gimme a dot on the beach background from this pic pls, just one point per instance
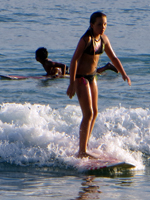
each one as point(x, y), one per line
point(39, 124)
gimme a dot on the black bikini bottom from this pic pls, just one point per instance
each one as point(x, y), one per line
point(89, 77)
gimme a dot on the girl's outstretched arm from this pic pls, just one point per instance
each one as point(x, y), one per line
point(116, 62)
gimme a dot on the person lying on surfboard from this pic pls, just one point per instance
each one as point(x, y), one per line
point(58, 69)
point(52, 68)
point(82, 75)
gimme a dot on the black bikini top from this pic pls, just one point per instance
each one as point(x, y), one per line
point(91, 49)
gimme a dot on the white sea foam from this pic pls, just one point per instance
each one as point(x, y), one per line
point(41, 135)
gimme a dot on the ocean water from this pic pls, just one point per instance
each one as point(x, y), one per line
point(39, 124)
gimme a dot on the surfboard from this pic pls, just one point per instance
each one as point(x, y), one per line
point(16, 77)
point(103, 165)
point(108, 66)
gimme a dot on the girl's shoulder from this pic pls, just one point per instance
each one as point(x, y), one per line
point(87, 36)
point(104, 38)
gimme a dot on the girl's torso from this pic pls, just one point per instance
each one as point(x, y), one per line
point(90, 57)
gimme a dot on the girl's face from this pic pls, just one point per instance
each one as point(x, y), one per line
point(99, 26)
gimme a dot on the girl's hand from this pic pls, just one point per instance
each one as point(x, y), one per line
point(125, 77)
point(71, 90)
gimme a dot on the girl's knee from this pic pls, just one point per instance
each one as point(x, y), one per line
point(88, 115)
point(91, 114)
point(95, 113)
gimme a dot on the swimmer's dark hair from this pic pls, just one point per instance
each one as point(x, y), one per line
point(41, 53)
point(95, 15)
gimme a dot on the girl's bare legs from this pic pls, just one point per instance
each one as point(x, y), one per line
point(87, 100)
point(94, 95)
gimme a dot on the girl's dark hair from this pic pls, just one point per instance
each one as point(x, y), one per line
point(41, 53)
point(93, 18)
point(96, 15)
point(89, 32)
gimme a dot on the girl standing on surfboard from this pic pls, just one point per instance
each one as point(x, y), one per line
point(82, 75)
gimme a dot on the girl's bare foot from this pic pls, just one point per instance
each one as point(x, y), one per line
point(108, 66)
point(85, 155)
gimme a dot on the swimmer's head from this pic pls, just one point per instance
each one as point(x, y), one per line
point(41, 53)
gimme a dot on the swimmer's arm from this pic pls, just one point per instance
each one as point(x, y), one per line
point(59, 65)
point(63, 68)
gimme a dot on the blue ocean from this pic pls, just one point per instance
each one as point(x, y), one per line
point(39, 124)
